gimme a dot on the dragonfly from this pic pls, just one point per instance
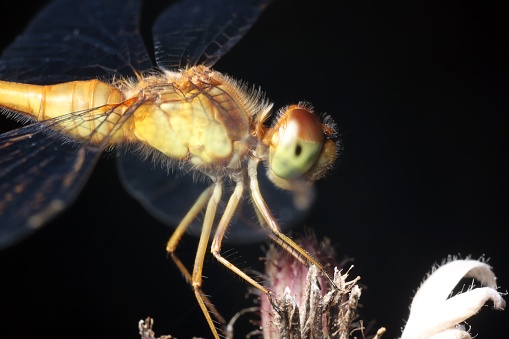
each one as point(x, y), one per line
point(83, 83)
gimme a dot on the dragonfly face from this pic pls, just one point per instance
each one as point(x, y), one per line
point(184, 115)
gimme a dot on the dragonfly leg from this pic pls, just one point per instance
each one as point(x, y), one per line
point(172, 244)
point(273, 236)
point(263, 212)
point(219, 234)
point(195, 279)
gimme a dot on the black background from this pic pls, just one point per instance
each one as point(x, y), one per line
point(419, 92)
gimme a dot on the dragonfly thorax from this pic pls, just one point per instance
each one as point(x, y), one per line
point(198, 116)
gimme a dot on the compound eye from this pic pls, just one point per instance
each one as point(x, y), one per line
point(297, 142)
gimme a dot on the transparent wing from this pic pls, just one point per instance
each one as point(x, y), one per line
point(168, 197)
point(77, 40)
point(39, 176)
point(193, 32)
point(42, 171)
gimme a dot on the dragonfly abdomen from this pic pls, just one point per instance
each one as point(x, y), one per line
point(91, 100)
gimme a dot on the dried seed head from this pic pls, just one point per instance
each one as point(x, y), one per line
point(306, 306)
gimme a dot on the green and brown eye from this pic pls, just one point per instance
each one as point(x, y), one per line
point(297, 142)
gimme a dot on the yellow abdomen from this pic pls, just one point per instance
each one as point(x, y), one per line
point(94, 97)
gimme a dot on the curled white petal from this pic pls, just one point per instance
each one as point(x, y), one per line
point(441, 282)
point(432, 314)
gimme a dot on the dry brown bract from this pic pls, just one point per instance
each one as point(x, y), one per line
point(333, 315)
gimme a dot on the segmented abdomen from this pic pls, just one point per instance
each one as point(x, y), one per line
point(85, 109)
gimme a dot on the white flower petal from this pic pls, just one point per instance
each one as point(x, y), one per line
point(454, 311)
point(432, 313)
point(441, 282)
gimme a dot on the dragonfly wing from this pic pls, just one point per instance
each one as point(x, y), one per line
point(39, 176)
point(193, 32)
point(77, 40)
point(168, 197)
point(40, 173)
